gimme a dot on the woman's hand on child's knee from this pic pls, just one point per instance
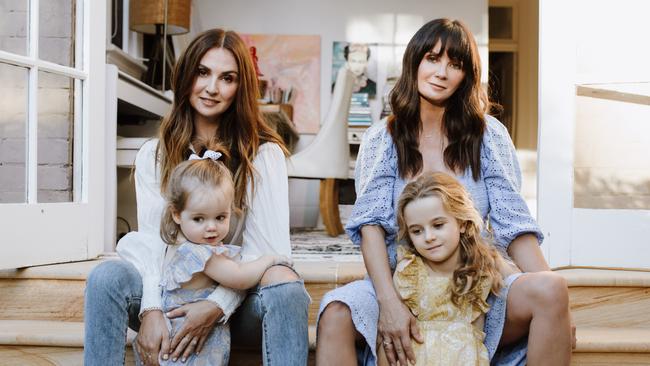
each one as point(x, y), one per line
point(199, 320)
point(153, 338)
point(396, 326)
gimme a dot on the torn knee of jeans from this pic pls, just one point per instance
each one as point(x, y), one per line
point(279, 274)
point(281, 283)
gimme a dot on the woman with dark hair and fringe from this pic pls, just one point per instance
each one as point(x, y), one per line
point(215, 98)
point(440, 124)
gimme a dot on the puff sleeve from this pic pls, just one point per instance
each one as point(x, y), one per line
point(190, 259)
point(509, 216)
point(144, 248)
point(375, 176)
point(407, 278)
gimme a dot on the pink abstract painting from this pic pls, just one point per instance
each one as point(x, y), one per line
point(292, 62)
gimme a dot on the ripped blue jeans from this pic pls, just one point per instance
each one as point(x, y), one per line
point(273, 317)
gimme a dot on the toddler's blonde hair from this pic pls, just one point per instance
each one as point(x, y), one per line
point(187, 177)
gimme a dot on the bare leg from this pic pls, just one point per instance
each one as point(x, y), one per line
point(538, 305)
point(335, 344)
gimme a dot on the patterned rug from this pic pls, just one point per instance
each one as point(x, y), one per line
point(314, 244)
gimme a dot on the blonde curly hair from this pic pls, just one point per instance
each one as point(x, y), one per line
point(478, 259)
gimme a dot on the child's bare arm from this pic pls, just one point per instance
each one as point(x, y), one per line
point(240, 275)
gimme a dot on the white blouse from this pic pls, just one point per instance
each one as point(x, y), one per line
point(265, 230)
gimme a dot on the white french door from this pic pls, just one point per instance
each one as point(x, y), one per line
point(52, 65)
point(594, 133)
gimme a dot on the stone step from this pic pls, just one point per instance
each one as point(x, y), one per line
point(42, 342)
point(599, 298)
point(73, 356)
point(22, 292)
point(612, 346)
point(52, 292)
point(609, 298)
point(61, 343)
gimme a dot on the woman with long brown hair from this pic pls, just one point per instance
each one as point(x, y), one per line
point(440, 124)
point(215, 97)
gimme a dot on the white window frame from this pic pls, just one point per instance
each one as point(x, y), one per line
point(556, 130)
point(59, 232)
point(574, 237)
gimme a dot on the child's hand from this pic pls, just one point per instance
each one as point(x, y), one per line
point(281, 259)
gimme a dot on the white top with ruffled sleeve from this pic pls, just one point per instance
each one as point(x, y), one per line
point(265, 231)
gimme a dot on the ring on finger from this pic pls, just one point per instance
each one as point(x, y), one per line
point(388, 343)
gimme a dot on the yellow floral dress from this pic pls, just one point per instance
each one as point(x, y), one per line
point(449, 336)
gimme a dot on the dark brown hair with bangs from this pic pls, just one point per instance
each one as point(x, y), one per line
point(242, 128)
point(463, 121)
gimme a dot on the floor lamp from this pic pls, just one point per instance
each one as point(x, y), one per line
point(161, 18)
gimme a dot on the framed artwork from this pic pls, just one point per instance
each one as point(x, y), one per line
point(361, 60)
point(292, 63)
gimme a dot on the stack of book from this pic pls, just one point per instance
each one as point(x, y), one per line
point(359, 110)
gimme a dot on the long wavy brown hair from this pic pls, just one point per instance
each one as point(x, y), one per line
point(242, 128)
point(478, 259)
point(463, 121)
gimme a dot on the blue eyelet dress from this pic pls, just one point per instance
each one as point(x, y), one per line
point(496, 196)
point(188, 260)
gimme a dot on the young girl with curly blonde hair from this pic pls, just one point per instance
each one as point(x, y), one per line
point(446, 270)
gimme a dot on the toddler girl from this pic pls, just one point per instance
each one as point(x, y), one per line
point(195, 221)
point(445, 272)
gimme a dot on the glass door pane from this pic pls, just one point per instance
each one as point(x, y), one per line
point(14, 26)
point(56, 116)
point(57, 31)
point(13, 134)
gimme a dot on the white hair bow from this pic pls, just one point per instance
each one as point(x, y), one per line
point(208, 154)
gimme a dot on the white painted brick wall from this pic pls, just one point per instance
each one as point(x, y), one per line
point(54, 103)
point(14, 5)
point(12, 178)
point(13, 151)
point(56, 177)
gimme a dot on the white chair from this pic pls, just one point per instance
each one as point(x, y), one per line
point(327, 157)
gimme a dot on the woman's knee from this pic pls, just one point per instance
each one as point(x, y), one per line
point(111, 276)
point(335, 317)
point(549, 291)
point(278, 274)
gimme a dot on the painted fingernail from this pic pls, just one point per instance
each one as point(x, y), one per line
point(175, 359)
point(165, 356)
point(183, 360)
